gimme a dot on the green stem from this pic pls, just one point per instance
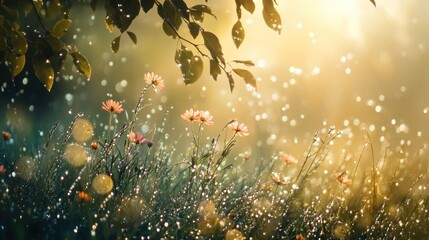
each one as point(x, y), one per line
point(110, 125)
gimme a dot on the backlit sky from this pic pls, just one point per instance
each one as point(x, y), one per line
point(336, 62)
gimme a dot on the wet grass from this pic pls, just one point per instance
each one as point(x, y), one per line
point(118, 187)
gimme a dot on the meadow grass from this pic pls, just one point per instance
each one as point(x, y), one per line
point(119, 184)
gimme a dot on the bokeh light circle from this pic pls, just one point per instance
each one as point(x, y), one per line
point(76, 155)
point(24, 168)
point(82, 130)
point(234, 234)
point(102, 184)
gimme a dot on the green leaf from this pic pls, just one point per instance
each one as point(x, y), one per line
point(171, 15)
point(65, 8)
point(115, 44)
point(129, 11)
point(271, 16)
point(373, 2)
point(231, 81)
point(194, 29)
point(53, 10)
point(191, 66)
point(16, 64)
point(249, 5)
point(61, 28)
point(182, 8)
point(121, 13)
point(238, 8)
point(93, 4)
point(246, 75)
point(168, 30)
point(197, 16)
point(58, 59)
point(245, 62)
point(132, 36)
point(110, 19)
point(203, 8)
point(43, 69)
point(198, 11)
point(214, 69)
point(195, 71)
point(19, 43)
point(8, 11)
point(161, 12)
point(38, 6)
point(81, 64)
point(3, 43)
point(55, 43)
point(213, 45)
point(147, 5)
point(183, 58)
point(238, 33)
point(44, 48)
point(27, 6)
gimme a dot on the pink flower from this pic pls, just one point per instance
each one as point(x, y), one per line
point(276, 179)
point(240, 129)
point(287, 158)
point(138, 138)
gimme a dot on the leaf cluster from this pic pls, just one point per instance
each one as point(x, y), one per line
point(48, 50)
point(44, 37)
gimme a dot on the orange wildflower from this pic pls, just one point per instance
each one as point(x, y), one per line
point(112, 106)
point(287, 158)
point(240, 129)
point(155, 81)
point(206, 118)
point(344, 179)
point(191, 115)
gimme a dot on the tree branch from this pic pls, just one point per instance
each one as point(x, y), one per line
point(196, 46)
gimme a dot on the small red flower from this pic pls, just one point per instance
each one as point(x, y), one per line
point(233, 214)
point(94, 145)
point(6, 135)
point(299, 237)
point(2, 169)
point(83, 196)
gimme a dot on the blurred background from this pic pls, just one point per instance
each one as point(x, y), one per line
point(337, 63)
